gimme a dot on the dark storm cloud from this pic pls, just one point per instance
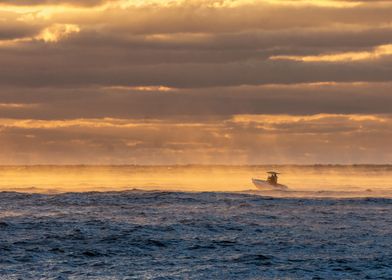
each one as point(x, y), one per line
point(193, 45)
point(15, 31)
point(222, 60)
point(261, 42)
point(197, 104)
point(58, 71)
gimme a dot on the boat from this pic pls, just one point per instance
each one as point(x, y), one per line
point(270, 184)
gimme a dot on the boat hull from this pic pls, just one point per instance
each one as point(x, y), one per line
point(264, 185)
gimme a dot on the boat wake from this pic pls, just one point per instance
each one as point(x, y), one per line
point(288, 193)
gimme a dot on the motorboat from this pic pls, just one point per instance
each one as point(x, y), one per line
point(270, 184)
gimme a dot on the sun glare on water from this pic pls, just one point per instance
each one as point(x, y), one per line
point(55, 179)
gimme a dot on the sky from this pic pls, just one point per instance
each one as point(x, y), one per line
point(198, 81)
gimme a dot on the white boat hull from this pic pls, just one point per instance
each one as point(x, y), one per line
point(264, 185)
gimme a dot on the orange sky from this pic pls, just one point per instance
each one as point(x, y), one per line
point(200, 81)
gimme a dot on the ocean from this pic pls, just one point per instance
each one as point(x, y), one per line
point(195, 222)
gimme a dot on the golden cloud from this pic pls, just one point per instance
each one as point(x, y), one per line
point(135, 123)
point(16, 105)
point(377, 53)
point(56, 32)
point(276, 119)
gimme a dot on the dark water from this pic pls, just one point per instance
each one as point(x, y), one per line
point(174, 235)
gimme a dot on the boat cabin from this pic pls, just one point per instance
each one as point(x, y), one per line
point(272, 177)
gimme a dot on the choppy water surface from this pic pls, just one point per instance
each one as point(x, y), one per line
point(177, 235)
point(201, 222)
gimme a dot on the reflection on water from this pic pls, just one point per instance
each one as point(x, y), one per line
point(363, 178)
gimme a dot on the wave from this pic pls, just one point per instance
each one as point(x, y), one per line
point(141, 234)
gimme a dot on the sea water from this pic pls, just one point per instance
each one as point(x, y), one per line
point(195, 222)
point(360, 180)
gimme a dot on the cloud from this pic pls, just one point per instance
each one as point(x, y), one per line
point(87, 69)
point(252, 139)
point(56, 32)
point(193, 44)
point(16, 106)
point(86, 3)
point(203, 104)
point(11, 28)
point(195, 81)
point(377, 53)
